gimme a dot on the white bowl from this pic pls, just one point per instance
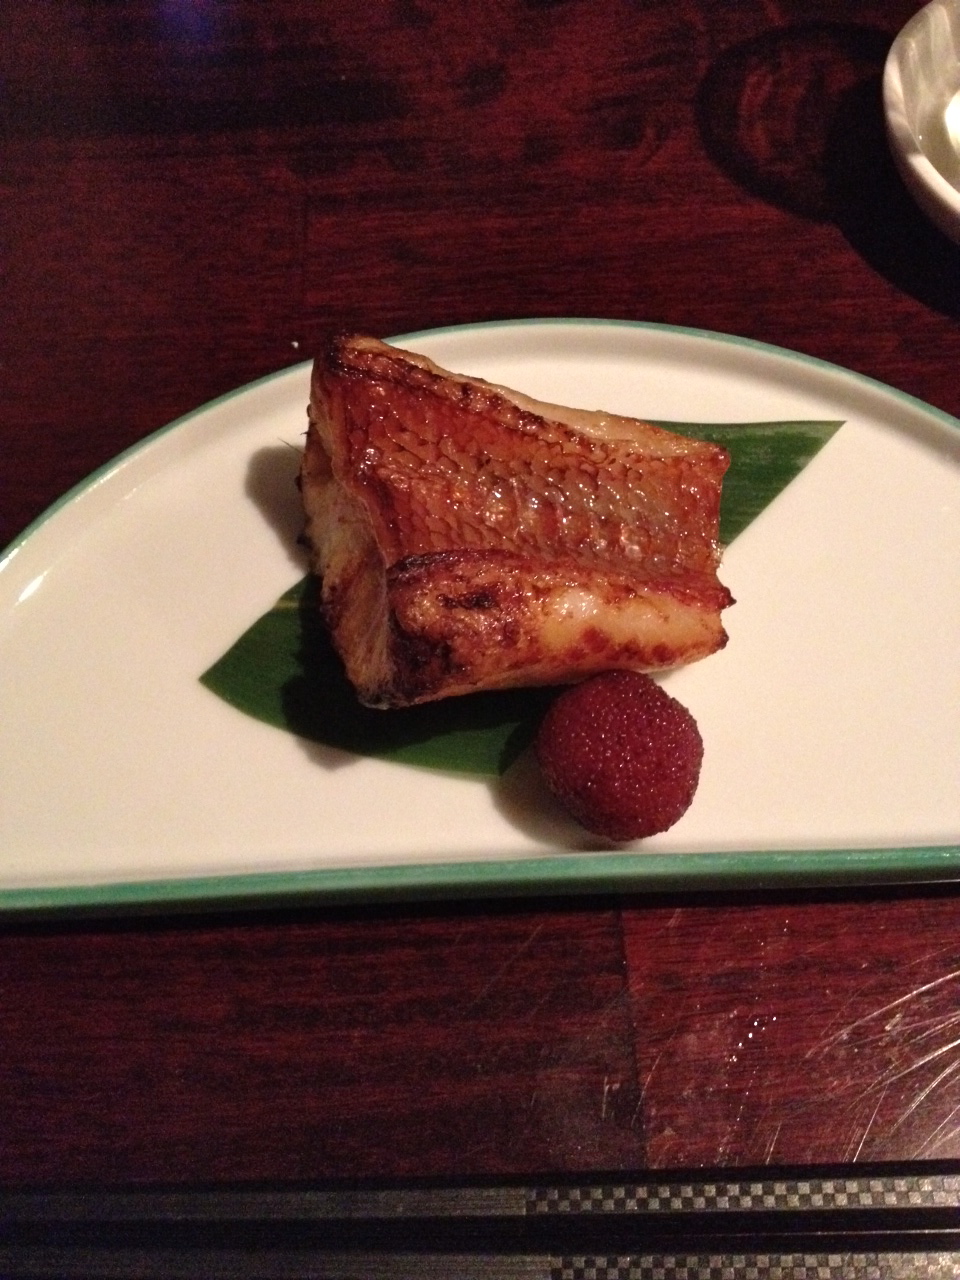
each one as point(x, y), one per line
point(921, 98)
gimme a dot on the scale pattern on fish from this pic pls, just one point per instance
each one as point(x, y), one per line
point(469, 537)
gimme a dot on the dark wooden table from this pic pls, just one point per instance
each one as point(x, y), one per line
point(191, 195)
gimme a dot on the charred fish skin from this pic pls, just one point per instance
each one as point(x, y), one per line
point(469, 537)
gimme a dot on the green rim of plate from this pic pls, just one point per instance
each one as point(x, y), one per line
point(546, 876)
point(549, 876)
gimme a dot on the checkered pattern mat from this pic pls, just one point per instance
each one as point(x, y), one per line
point(775, 1195)
point(893, 1266)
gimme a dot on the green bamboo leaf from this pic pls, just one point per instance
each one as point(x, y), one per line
point(764, 458)
point(284, 671)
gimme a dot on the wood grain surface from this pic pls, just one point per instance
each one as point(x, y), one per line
point(191, 196)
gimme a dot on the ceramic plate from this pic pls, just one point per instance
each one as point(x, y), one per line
point(831, 720)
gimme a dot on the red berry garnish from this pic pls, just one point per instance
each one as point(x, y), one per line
point(620, 755)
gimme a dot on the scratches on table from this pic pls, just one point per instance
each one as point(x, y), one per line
point(507, 965)
point(864, 1064)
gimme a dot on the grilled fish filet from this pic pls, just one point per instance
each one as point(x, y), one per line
point(469, 537)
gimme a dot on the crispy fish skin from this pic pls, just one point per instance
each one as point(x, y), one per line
point(469, 537)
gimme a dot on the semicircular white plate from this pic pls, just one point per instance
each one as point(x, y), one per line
point(831, 720)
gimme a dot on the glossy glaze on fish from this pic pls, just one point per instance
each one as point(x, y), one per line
point(469, 537)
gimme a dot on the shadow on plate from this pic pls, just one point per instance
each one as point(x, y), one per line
point(522, 798)
point(492, 732)
point(285, 671)
point(271, 484)
point(480, 734)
